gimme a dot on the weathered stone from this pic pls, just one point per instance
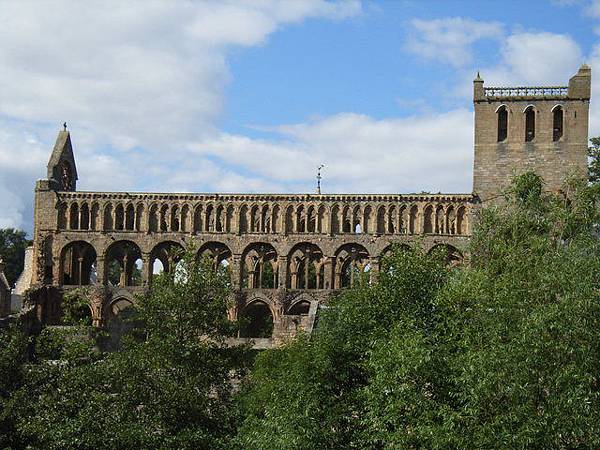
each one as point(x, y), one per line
point(289, 252)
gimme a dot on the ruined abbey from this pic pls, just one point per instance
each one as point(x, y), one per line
point(288, 253)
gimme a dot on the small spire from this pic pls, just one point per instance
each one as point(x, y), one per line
point(478, 77)
point(319, 178)
point(65, 126)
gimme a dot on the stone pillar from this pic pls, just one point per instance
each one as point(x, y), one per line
point(283, 271)
point(236, 272)
point(101, 270)
point(56, 274)
point(146, 268)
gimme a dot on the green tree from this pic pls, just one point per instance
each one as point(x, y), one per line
point(311, 393)
point(594, 160)
point(502, 353)
point(168, 387)
point(13, 357)
point(12, 250)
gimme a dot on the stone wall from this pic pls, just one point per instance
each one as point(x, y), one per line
point(551, 156)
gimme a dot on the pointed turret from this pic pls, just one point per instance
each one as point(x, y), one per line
point(62, 171)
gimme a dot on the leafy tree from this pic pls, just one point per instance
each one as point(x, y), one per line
point(311, 393)
point(168, 387)
point(526, 322)
point(499, 354)
point(13, 357)
point(12, 250)
point(594, 160)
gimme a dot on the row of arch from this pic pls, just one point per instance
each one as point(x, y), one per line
point(258, 267)
point(435, 217)
point(529, 117)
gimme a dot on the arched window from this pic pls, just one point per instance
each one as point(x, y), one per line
point(529, 124)
point(77, 264)
point(306, 267)
point(502, 123)
point(429, 220)
point(123, 264)
point(74, 217)
point(557, 123)
point(259, 267)
point(300, 308)
point(256, 321)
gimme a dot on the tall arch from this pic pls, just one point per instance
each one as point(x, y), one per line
point(123, 262)
point(198, 219)
point(77, 264)
point(529, 123)
point(557, 123)
point(108, 218)
point(260, 267)
point(95, 217)
point(275, 219)
point(119, 217)
point(139, 214)
point(243, 219)
point(175, 218)
point(428, 220)
point(413, 216)
point(218, 253)
point(74, 216)
point(130, 217)
point(502, 121)
point(351, 260)
point(306, 267)
point(380, 229)
point(84, 217)
point(256, 320)
point(168, 253)
point(153, 218)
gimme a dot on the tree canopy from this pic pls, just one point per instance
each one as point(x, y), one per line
point(12, 251)
point(501, 353)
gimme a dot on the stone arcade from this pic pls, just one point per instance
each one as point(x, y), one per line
point(287, 253)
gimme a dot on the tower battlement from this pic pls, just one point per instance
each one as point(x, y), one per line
point(538, 128)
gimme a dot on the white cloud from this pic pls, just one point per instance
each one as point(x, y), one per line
point(535, 59)
point(449, 39)
point(125, 75)
point(431, 152)
point(133, 73)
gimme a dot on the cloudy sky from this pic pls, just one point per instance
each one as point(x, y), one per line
point(250, 96)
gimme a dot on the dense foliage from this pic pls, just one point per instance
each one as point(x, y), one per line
point(501, 352)
point(12, 251)
point(169, 386)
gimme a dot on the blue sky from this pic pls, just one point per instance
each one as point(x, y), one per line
point(250, 96)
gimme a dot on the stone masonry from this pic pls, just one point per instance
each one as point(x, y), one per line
point(288, 253)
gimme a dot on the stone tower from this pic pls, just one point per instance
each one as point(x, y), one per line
point(544, 129)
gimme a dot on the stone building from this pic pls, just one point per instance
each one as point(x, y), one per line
point(4, 292)
point(287, 253)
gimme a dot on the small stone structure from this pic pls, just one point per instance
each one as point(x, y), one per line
point(288, 253)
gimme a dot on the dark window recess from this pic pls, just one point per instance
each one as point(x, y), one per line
point(529, 124)
point(502, 124)
point(557, 127)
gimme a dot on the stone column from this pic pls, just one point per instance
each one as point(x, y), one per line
point(236, 272)
point(146, 269)
point(283, 271)
point(100, 270)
